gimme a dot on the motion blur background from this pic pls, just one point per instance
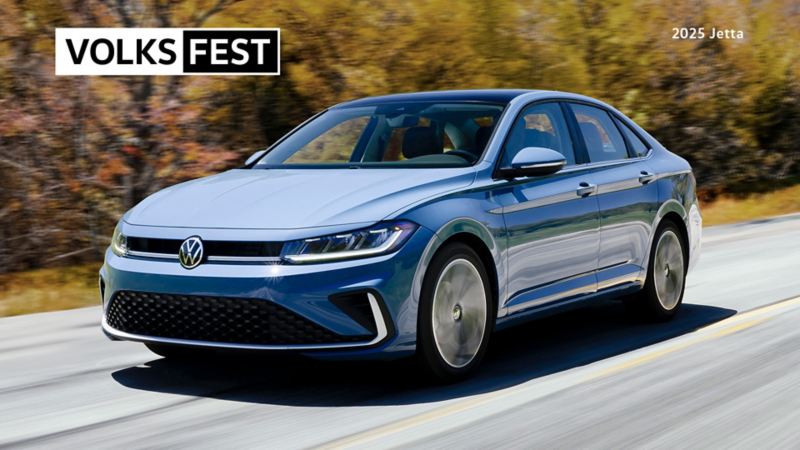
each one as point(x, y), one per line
point(77, 152)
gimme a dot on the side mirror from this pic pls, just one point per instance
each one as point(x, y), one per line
point(254, 157)
point(534, 161)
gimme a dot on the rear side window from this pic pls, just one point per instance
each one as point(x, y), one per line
point(539, 125)
point(637, 145)
point(602, 138)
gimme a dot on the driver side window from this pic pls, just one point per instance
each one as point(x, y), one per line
point(540, 125)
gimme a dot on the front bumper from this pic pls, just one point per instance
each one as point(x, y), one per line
point(305, 290)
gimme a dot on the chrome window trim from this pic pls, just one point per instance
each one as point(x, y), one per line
point(603, 164)
point(380, 335)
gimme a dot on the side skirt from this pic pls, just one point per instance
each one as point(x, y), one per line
point(569, 303)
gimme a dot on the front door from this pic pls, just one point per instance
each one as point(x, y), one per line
point(552, 221)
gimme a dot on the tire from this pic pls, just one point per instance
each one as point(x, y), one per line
point(453, 327)
point(665, 284)
point(174, 352)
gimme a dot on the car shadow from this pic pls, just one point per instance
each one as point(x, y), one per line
point(517, 355)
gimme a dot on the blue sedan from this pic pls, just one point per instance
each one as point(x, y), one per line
point(410, 224)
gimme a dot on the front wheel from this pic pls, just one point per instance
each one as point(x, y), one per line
point(456, 313)
point(662, 295)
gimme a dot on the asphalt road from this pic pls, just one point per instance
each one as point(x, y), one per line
point(725, 373)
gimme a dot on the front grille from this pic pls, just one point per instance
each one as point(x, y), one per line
point(216, 319)
point(212, 248)
point(166, 246)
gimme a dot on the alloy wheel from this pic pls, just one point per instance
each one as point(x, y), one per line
point(459, 313)
point(669, 270)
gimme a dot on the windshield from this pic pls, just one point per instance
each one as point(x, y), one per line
point(418, 134)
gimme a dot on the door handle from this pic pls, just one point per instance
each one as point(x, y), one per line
point(646, 177)
point(586, 189)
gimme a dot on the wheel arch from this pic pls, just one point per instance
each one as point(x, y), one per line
point(672, 211)
point(673, 217)
point(475, 243)
point(478, 237)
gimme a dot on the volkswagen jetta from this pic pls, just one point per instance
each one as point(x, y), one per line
point(409, 224)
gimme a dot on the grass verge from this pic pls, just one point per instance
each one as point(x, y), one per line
point(755, 206)
point(51, 289)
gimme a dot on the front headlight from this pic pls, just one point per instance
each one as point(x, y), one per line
point(119, 243)
point(377, 240)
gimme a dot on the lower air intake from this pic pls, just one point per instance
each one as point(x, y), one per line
point(216, 319)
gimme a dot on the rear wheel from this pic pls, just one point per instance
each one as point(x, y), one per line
point(456, 313)
point(662, 295)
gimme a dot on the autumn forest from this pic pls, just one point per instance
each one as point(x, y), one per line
point(76, 152)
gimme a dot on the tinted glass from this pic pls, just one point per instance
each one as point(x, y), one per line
point(334, 146)
point(637, 145)
point(394, 148)
point(409, 134)
point(603, 140)
point(540, 125)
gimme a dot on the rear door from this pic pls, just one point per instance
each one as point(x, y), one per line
point(551, 221)
point(627, 194)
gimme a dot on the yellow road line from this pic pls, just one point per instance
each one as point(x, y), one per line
point(679, 346)
point(724, 327)
point(410, 422)
point(760, 311)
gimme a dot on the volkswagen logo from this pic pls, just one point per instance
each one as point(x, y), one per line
point(191, 252)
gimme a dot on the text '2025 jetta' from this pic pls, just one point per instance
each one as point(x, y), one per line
point(409, 224)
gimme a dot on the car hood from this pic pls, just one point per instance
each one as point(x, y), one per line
point(294, 198)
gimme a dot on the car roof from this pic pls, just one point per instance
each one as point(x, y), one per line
point(501, 96)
